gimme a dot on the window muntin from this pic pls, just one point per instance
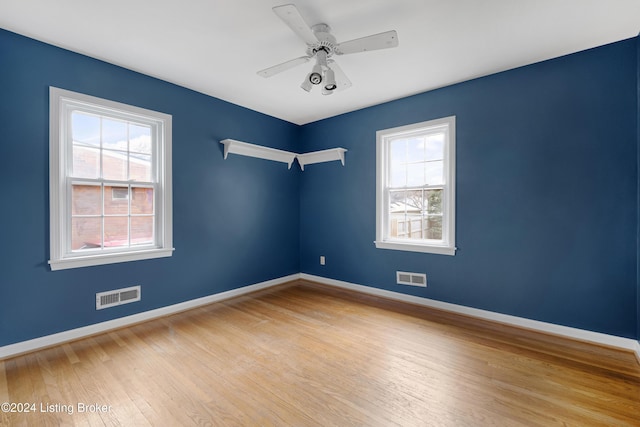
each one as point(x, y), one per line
point(416, 188)
point(110, 181)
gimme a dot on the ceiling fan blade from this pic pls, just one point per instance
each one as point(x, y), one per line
point(342, 81)
point(364, 44)
point(290, 15)
point(272, 71)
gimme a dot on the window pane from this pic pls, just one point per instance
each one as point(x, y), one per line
point(85, 129)
point(415, 149)
point(434, 201)
point(415, 224)
point(398, 151)
point(116, 232)
point(140, 139)
point(417, 161)
point(415, 174)
point(114, 165)
point(396, 201)
point(434, 173)
point(415, 214)
point(142, 200)
point(140, 167)
point(142, 230)
point(398, 226)
point(86, 162)
point(114, 134)
point(409, 202)
point(114, 202)
point(86, 233)
point(86, 200)
point(434, 227)
point(434, 147)
point(397, 214)
point(414, 202)
point(398, 175)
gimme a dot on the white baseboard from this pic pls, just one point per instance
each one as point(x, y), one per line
point(16, 349)
point(549, 328)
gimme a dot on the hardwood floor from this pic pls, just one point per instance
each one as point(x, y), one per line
point(305, 355)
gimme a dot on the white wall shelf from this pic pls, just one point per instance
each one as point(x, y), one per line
point(252, 150)
point(321, 156)
point(259, 151)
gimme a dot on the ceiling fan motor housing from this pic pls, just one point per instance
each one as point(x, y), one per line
point(326, 41)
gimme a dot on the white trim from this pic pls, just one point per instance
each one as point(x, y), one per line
point(416, 247)
point(61, 104)
point(548, 328)
point(19, 348)
point(104, 258)
point(447, 245)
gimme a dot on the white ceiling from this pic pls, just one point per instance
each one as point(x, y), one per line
point(217, 46)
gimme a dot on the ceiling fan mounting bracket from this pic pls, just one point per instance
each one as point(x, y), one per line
point(321, 28)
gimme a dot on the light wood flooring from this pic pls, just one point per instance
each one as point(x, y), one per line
point(306, 355)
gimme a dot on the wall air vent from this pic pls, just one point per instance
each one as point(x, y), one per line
point(117, 297)
point(411, 279)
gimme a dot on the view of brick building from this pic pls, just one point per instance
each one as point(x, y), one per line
point(106, 214)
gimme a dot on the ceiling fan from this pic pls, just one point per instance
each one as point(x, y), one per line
point(322, 46)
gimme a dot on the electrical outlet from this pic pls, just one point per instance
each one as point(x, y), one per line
point(322, 260)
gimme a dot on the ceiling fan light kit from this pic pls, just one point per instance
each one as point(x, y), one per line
point(322, 45)
point(330, 80)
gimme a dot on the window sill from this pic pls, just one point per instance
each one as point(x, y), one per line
point(417, 247)
point(102, 259)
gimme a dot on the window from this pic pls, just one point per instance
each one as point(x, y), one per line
point(110, 182)
point(119, 193)
point(415, 190)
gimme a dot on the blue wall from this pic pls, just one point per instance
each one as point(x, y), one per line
point(546, 193)
point(638, 227)
point(547, 196)
point(235, 220)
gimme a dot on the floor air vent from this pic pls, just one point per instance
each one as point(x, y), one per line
point(117, 297)
point(411, 279)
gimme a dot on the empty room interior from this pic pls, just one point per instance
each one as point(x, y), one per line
point(412, 213)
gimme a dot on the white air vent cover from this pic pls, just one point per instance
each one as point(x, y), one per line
point(411, 279)
point(117, 297)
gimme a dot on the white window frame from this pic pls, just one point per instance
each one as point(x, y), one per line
point(61, 104)
point(446, 246)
